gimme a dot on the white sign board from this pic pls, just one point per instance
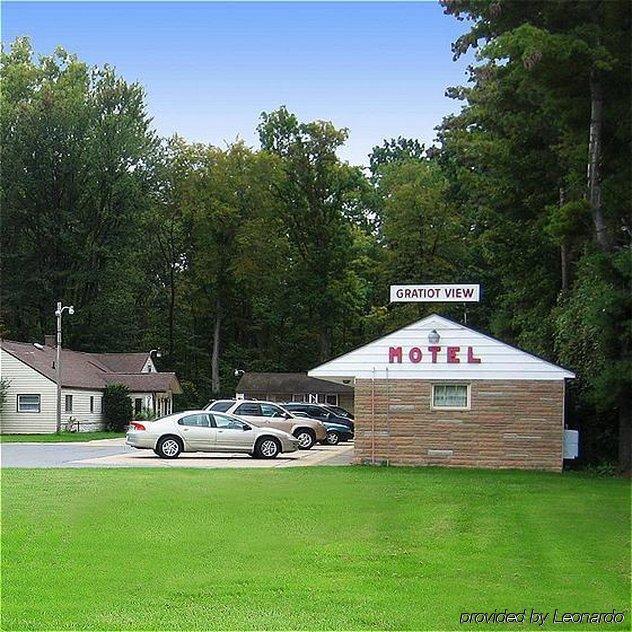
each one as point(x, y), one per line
point(454, 293)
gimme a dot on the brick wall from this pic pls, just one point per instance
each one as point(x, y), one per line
point(511, 424)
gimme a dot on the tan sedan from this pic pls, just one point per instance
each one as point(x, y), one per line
point(271, 415)
point(202, 431)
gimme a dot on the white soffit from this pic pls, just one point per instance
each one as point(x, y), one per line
point(480, 357)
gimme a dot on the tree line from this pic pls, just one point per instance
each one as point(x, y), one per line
point(279, 257)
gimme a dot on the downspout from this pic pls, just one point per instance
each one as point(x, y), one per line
point(373, 418)
point(388, 422)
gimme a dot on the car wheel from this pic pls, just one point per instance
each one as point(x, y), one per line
point(333, 438)
point(306, 438)
point(169, 447)
point(267, 448)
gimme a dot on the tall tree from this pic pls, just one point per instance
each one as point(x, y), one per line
point(74, 143)
point(322, 198)
point(548, 104)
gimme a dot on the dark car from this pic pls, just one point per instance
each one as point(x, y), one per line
point(339, 411)
point(320, 412)
point(336, 433)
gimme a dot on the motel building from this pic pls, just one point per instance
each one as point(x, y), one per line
point(439, 393)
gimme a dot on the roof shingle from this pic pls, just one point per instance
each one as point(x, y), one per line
point(93, 370)
point(288, 383)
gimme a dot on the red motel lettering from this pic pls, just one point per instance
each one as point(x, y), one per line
point(452, 357)
point(470, 357)
point(415, 355)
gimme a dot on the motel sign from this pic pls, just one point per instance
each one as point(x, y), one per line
point(453, 293)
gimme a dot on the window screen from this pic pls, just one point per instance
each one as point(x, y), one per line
point(449, 396)
point(28, 403)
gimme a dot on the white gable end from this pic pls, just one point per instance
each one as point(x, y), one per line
point(460, 354)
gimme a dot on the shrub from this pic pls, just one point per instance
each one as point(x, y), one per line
point(4, 387)
point(117, 407)
point(145, 414)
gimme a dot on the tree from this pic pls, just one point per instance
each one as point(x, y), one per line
point(398, 149)
point(322, 198)
point(4, 388)
point(75, 141)
point(548, 104)
point(117, 407)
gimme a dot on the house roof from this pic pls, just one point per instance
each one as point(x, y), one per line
point(93, 370)
point(123, 362)
point(287, 383)
point(390, 357)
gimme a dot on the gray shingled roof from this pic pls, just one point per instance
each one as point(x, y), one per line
point(288, 383)
point(93, 370)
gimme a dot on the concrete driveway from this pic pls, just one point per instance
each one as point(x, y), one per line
point(114, 453)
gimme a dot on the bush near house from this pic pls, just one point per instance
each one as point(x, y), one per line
point(117, 407)
point(4, 387)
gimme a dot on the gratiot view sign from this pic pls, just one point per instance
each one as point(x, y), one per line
point(454, 293)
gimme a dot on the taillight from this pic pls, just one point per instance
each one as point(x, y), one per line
point(136, 426)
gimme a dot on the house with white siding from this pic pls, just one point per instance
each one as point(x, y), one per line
point(31, 395)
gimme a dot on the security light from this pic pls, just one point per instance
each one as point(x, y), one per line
point(434, 337)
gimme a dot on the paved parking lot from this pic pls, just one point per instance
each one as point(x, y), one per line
point(114, 453)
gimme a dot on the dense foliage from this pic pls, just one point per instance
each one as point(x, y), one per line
point(117, 407)
point(280, 257)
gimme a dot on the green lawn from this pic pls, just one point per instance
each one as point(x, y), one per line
point(54, 438)
point(317, 548)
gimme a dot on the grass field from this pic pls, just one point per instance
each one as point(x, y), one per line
point(319, 548)
point(56, 438)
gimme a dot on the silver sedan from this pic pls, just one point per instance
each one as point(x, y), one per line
point(204, 431)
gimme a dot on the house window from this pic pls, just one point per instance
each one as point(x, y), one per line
point(138, 405)
point(313, 398)
point(451, 396)
point(68, 404)
point(29, 404)
point(331, 399)
point(91, 403)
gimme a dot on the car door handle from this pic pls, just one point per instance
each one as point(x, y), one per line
point(185, 430)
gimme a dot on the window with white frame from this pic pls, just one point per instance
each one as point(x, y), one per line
point(91, 403)
point(451, 396)
point(331, 399)
point(68, 404)
point(29, 403)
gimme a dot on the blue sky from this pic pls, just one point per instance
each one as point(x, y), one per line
point(210, 69)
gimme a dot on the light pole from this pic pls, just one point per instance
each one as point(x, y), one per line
point(154, 397)
point(58, 312)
